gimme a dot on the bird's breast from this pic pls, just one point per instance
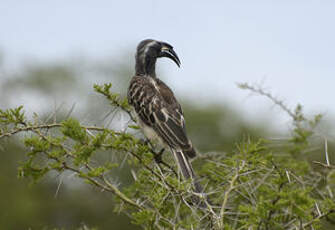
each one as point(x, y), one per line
point(149, 132)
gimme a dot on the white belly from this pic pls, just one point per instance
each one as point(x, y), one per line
point(150, 133)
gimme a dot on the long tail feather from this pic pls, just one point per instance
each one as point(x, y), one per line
point(187, 170)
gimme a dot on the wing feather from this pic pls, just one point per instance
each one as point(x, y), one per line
point(157, 107)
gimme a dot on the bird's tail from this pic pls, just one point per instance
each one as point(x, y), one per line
point(188, 172)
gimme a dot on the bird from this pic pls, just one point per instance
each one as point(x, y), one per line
point(159, 114)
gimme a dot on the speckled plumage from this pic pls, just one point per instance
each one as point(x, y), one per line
point(158, 109)
point(159, 113)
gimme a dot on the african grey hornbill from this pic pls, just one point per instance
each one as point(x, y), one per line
point(159, 114)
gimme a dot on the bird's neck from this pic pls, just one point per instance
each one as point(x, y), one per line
point(146, 66)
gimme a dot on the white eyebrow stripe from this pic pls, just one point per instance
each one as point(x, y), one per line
point(146, 48)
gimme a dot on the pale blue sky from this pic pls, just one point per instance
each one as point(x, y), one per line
point(289, 45)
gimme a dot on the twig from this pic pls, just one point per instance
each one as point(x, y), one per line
point(316, 219)
point(324, 165)
point(260, 91)
point(47, 126)
point(109, 187)
point(226, 196)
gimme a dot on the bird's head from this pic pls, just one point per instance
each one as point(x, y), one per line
point(155, 49)
point(149, 50)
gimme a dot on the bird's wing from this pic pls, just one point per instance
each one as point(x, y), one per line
point(157, 107)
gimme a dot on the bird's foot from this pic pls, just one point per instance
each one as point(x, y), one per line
point(144, 141)
point(158, 156)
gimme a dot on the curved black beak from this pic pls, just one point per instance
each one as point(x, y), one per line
point(169, 53)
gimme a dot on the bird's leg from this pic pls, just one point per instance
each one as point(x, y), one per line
point(159, 160)
point(144, 141)
point(158, 156)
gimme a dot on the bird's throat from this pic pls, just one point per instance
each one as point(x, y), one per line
point(146, 66)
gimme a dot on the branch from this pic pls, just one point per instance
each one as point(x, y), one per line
point(226, 196)
point(111, 188)
point(47, 126)
point(324, 165)
point(315, 219)
point(260, 91)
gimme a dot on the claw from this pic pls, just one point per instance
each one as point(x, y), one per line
point(144, 141)
point(158, 156)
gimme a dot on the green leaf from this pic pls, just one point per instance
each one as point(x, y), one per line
point(72, 129)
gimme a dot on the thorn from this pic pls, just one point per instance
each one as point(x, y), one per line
point(134, 175)
point(55, 112)
point(58, 187)
point(326, 152)
point(70, 111)
point(288, 176)
point(317, 209)
point(330, 192)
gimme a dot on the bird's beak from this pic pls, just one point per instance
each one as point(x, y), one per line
point(169, 53)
